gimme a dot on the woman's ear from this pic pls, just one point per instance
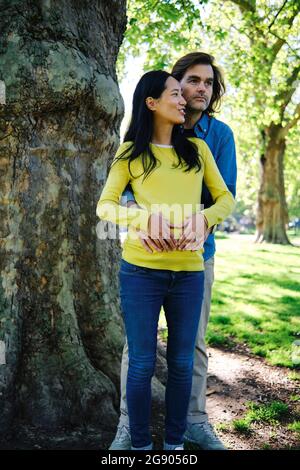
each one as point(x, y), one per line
point(150, 103)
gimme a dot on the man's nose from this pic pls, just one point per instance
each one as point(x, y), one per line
point(201, 86)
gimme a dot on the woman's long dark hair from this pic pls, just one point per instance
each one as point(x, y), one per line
point(140, 131)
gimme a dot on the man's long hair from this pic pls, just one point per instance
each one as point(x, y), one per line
point(201, 58)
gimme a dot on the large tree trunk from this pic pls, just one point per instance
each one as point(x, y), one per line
point(59, 128)
point(272, 213)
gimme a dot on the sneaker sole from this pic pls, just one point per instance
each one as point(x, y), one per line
point(120, 447)
point(191, 445)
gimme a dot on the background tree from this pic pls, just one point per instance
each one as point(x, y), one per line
point(59, 316)
point(269, 61)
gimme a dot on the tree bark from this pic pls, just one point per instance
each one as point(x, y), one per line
point(59, 128)
point(272, 212)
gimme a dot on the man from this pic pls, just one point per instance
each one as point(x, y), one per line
point(202, 87)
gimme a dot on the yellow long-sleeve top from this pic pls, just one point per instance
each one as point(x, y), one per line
point(169, 190)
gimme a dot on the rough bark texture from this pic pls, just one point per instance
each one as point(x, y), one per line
point(59, 128)
point(272, 213)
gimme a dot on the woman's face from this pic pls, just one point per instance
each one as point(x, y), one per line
point(170, 106)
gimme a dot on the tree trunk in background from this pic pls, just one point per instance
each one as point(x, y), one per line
point(59, 129)
point(272, 212)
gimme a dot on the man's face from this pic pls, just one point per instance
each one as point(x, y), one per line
point(197, 87)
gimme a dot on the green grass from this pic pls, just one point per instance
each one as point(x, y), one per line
point(266, 446)
point(269, 413)
point(242, 426)
point(295, 376)
point(222, 426)
point(256, 298)
point(294, 238)
point(295, 427)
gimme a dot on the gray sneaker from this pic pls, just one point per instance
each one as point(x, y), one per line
point(149, 447)
point(172, 446)
point(122, 440)
point(202, 435)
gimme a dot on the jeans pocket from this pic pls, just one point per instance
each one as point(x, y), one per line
point(129, 268)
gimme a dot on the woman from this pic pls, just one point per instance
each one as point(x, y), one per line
point(165, 171)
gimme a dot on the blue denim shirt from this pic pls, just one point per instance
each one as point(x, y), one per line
point(220, 140)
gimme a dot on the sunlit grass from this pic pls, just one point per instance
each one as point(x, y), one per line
point(295, 397)
point(256, 298)
point(295, 427)
point(269, 413)
point(241, 426)
point(222, 426)
point(295, 376)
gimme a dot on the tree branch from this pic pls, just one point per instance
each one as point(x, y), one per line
point(245, 5)
point(249, 6)
point(277, 14)
point(237, 29)
point(280, 41)
point(292, 122)
point(278, 45)
point(290, 86)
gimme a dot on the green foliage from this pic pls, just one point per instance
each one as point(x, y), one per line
point(263, 57)
point(157, 27)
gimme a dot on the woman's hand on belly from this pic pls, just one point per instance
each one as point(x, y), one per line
point(160, 236)
point(194, 233)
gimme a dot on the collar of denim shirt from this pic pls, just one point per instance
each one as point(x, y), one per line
point(201, 127)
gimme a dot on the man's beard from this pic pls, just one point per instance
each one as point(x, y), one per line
point(202, 106)
point(190, 109)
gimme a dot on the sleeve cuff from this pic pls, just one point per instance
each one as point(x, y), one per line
point(209, 220)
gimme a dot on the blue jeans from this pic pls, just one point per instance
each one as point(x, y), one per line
point(143, 292)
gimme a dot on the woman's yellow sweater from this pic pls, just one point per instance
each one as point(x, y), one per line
point(171, 191)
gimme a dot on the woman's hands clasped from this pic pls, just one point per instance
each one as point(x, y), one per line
point(160, 235)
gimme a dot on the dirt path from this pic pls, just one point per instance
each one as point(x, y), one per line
point(238, 377)
point(235, 377)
